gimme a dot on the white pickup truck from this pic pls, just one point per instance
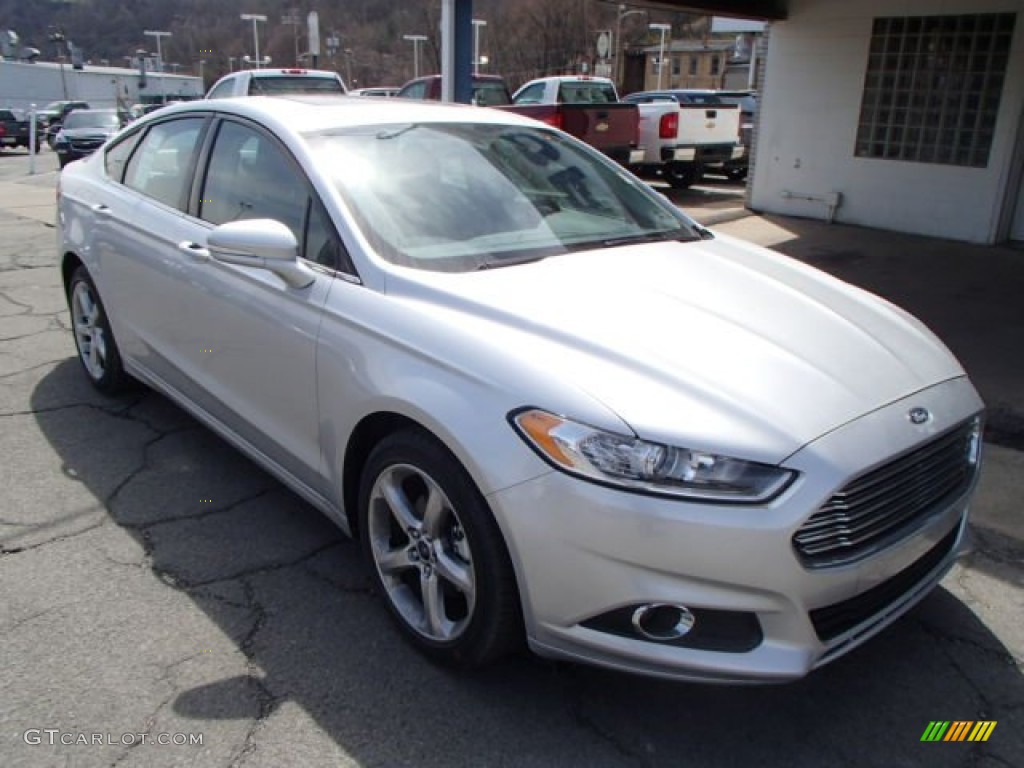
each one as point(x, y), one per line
point(683, 133)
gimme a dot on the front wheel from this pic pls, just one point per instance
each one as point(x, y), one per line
point(97, 350)
point(437, 553)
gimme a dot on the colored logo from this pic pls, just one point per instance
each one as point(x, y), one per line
point(958, 730)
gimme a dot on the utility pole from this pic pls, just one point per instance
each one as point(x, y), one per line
point(160, 60)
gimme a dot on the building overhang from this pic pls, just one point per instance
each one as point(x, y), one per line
point(765, 10)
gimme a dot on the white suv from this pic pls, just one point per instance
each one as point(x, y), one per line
point(263, 82)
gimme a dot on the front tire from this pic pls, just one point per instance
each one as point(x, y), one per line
point(437, 554)
point(97, 349)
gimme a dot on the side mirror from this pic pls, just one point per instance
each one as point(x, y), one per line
point(261, 243)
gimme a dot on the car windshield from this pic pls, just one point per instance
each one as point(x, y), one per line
point(92, 119)
point(294, 84)
point(460, 197)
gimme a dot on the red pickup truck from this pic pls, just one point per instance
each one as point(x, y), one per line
point(586, 107)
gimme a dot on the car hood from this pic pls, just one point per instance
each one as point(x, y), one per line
point(726, 345)
point(89, 133)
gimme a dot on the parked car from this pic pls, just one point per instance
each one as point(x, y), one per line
point(686, 132)
point(15, 130)
point(380, 91)
point(547, 403)
point(84, 131)
point(53, 114)
point(266, 82)
point(586, 107)
point(488, 90)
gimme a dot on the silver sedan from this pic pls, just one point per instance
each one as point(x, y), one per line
point(553, 408)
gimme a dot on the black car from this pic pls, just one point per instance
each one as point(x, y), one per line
point(84, 131)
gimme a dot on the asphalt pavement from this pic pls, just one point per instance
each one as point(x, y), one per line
point(158, 587)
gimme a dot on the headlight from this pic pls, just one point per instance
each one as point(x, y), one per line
point(635, 464)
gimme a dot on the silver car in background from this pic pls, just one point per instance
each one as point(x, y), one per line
point(551, 407)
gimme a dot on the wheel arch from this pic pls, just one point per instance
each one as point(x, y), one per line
point(69, 263)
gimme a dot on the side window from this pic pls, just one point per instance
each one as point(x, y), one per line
point(116, 157)
point(531, 95)
point(251, 177)
point(222, 90)
point(415, 91)
point(162, 166)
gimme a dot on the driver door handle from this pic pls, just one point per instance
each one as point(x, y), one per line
point(194, 250)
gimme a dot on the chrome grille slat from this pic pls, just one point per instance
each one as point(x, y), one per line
point(840, 540)
point(886, 503)
point(855, 513)
point(899, 465)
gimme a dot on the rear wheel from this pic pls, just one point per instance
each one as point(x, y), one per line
point(680, 175)
point(437, 553)
point(97, 350)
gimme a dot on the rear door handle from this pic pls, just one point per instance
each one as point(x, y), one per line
point(101, 210)
point(194, 250)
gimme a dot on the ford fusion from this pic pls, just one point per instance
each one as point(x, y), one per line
point(552, 408)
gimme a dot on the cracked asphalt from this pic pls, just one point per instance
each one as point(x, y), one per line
point(154, 582)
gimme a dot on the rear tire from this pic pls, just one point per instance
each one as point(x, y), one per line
point(97, 349)
point(679, 175)
point(437, 554)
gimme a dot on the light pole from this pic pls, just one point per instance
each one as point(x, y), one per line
point(291, 18)
point(254, 18)
point(348, 67)
point(620, 49)
point(160, 60)
point(477, 23)
point(661, 50)
point(416, 40)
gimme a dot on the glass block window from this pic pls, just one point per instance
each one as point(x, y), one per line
point(932, 88)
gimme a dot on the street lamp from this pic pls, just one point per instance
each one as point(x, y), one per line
point(160, 60)
point(620, 49)
point(416, 40)
point(477, 23)
point(661, 51)
point(254, 18)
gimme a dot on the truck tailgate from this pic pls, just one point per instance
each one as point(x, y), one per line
point(602, 126)
point(709, 123)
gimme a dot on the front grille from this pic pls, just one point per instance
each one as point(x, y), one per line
point(889, 502)
point(833, 620)
point(86, 145)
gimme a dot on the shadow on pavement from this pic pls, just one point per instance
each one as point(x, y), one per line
point(317, 638)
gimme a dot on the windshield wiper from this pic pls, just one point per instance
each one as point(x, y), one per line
point(649, 237)
point(509, 262)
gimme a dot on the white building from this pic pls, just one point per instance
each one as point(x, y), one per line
point(23, 84)
point(899, 115)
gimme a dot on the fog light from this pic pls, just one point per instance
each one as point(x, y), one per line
point(663, 622)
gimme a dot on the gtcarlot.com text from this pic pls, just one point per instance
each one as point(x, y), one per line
point(55, 736)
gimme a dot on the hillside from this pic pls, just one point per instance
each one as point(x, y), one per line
point(522, 39)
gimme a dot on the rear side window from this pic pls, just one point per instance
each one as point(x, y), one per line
point(222, 90)
point(294, 84)
point(532, 94)
point(162, 166)
point(414, 91)
point(116, 157)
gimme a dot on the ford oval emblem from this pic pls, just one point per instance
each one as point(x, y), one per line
point(919, 415)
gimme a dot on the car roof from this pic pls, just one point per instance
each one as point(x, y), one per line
point(311, 114)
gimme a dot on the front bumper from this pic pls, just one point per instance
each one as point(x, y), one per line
point(584, 551)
